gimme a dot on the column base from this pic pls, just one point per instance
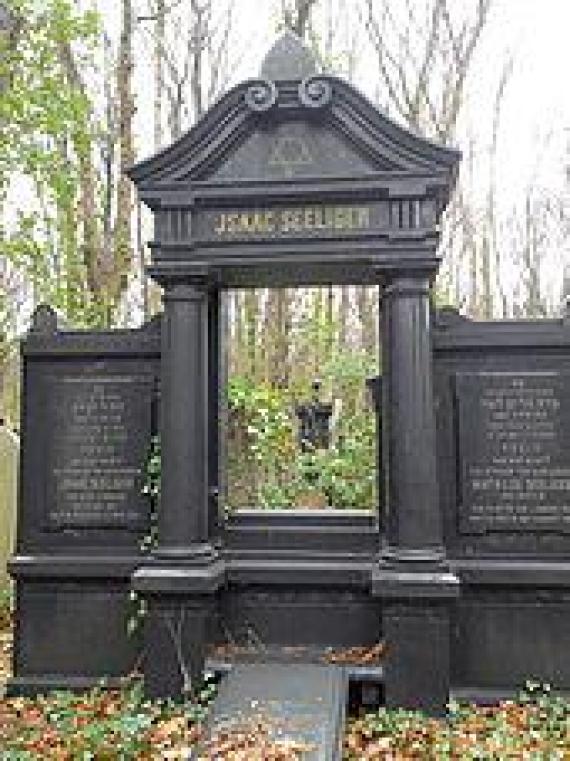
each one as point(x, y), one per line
point(418, 591)
point(176, 637)
point(421, 573)
point(417, 666)
point(180, 589)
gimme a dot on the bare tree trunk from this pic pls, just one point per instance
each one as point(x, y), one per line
point(303, 10)
point(330, 322)
point(531, 258)
point(199, 36)
point(368, 317)
point(250, 314)
point(297, 18)
point(343, 316)
point(495, 251)
point(108, 157)
point(277, 326)
point(423, 68)
point(159, 42)
point(87, 207)
point(123, 224)
point(193, 82)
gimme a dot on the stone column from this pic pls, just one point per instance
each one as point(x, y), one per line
point(413, 520)
point(183, 514)
point(412, 576)
point(215, 394)
point(181, 577)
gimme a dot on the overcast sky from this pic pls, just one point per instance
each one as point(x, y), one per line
point(537, 103)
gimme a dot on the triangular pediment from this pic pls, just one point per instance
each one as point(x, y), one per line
point(317, 127)
point(294, 150)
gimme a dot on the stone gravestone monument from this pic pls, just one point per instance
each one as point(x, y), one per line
point(294, 178)
point(9, 448)
point(88, 415)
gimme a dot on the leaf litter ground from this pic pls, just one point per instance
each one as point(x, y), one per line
point(105, 725)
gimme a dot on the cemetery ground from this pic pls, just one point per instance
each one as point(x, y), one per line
point(120, 724)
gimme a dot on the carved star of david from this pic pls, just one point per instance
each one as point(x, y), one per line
point(290, 153)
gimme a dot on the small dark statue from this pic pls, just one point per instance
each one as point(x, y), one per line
point(314, 422)
point(374, 386)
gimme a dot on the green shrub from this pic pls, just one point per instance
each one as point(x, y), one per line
point(266, 467)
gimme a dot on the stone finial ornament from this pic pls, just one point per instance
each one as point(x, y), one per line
point(288, 59)
point(44, 320)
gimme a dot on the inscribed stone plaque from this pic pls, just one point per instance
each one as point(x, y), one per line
point(101, 427)
point(514, 450)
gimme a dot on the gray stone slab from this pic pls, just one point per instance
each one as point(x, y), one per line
point(299, 701)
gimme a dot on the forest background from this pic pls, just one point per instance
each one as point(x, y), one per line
point(88, 87)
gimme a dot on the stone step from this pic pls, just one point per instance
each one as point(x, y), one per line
point(222, 662)
point(304, 703)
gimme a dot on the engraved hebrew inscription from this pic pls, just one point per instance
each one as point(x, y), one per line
point(101, 430)
point(514, 452)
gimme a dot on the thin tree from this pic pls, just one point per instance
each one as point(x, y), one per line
point(424, 52)
point(123, 232)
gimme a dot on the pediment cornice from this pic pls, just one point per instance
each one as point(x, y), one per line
point(326, 105)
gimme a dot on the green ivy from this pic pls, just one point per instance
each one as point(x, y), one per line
point(151, 488)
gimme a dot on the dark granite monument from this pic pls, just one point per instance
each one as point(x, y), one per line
point(294, 178)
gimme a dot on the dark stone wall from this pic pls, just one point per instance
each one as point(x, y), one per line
point(298, 579)
point(503, 417)
point(507, 635)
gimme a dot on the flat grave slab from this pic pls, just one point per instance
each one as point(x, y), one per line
point(302, 703)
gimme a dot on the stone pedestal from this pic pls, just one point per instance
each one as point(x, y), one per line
point(417, 664)
point(183, 574)
point(176, 633)
point(412, 576)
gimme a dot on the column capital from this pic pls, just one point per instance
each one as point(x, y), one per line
point(178, 278)
point(406, 268)
point(185, 290)
point(407, 284)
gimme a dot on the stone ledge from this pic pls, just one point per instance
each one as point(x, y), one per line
point(73, 567)
point(198, 579)
point(394, 584)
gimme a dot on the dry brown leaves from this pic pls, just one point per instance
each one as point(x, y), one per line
point(357, 656)
point(253, 740)
point(361, 655)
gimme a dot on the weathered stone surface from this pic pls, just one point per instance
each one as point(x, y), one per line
point(299, 701)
